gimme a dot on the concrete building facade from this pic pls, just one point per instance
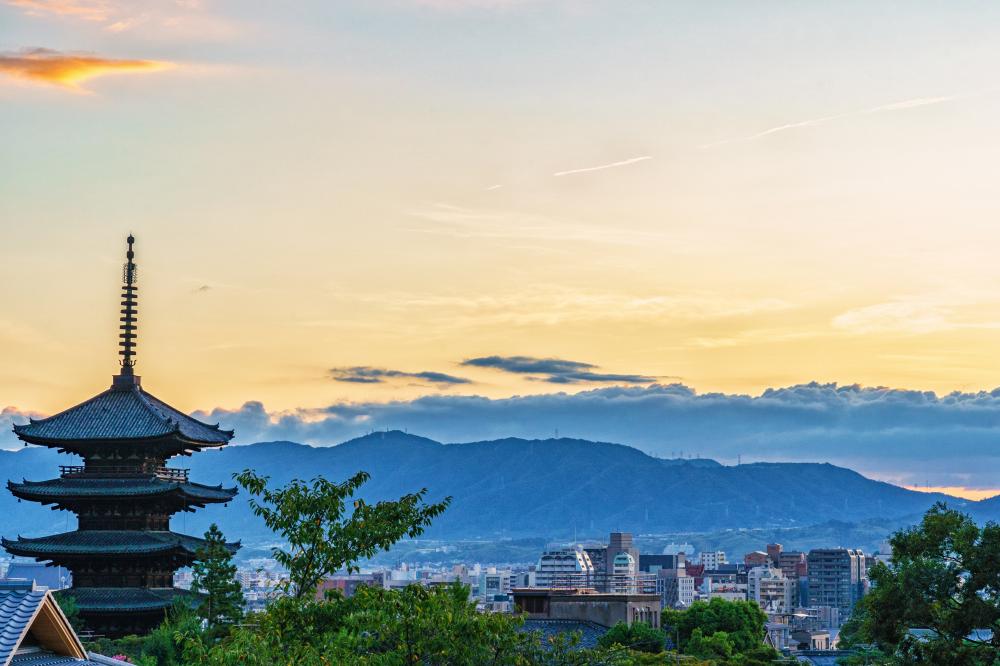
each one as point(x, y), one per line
point(837, 579)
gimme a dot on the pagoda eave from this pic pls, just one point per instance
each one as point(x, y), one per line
point(126, 599)
point(70, 492)
point(173, 443)
point(108, 544)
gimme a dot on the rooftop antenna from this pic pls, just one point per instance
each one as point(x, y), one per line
point(129, 324)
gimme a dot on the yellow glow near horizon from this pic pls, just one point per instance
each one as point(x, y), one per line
point(306, 199)
point(974, 494)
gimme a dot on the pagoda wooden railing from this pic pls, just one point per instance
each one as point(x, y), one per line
point(165, 473)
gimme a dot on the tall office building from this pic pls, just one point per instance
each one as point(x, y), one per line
point(837, 578)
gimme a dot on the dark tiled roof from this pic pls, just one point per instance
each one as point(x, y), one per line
point(589, 631)
point(124, 599)
point(57, 489)
point(106, 542)
point(45, 658)
point(121, 413)
point(16, 611)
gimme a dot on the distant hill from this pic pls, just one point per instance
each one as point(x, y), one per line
point(551, 488)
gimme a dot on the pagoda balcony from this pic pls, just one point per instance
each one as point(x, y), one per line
point(114, 471)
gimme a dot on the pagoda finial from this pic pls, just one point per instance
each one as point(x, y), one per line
point(129, 311)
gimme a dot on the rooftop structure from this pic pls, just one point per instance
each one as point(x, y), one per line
point(123, 554)
point(587, 605)
point(35, 632)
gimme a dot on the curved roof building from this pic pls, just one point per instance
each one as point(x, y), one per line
point(123, 554)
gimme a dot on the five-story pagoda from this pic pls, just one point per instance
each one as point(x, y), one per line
point(123, 555)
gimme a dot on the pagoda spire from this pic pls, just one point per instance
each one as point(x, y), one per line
point(129, 323)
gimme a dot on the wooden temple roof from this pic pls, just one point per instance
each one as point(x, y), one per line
point(121, 413)
point(55, 490)
point(125, 599)
point(107, 543)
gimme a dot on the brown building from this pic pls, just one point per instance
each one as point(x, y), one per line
point(587, 605)
point(793, 564)
point(620, 542)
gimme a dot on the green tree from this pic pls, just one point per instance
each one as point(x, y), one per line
point(742, 621)
point(639, 637)
point(944, 577)
point(716, 646)
point(161, 647)
point(377, 627)
point(67, 603)
point(214, 577)
point(322, 536)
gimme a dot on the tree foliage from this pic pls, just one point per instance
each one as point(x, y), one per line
point(638, 636)
point(160, 647)
point(67, 603)
point(214, 577)
point(323, 537)
point(716, 646)
point(435, 626)
point(742, 621)
point(944, 577)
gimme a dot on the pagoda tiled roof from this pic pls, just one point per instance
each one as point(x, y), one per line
point(107, 542)
point(121, 413)
point(124, 599)
point(70, 488)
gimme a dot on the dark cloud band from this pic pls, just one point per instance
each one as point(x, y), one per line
point(554, 370)
point(368, 375)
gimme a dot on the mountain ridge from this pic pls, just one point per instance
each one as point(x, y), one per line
point(516, 487)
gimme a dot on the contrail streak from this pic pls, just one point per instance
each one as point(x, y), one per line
point(600, 167)
point(812, 122)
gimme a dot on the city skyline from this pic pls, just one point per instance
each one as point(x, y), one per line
point(358, 207)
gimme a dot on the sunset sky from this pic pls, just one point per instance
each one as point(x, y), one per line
point(370, 201)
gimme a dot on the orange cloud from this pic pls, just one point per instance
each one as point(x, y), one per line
point(88, 10)
point(67, 69)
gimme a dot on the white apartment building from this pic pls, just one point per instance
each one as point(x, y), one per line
point(685, 591)
point(564, 567)
point(712, 558)
point(771, 590)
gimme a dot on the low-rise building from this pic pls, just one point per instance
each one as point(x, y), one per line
point(587, 605)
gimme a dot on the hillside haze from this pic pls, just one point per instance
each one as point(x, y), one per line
point(554, 488)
